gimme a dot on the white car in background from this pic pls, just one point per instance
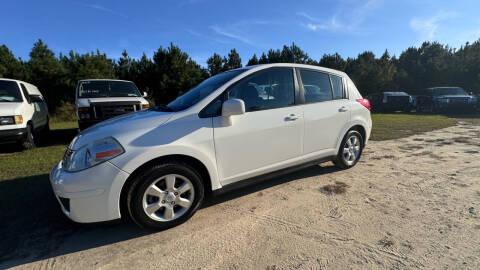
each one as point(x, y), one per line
point(23, 113)
point(157, 165)
point(101, 99)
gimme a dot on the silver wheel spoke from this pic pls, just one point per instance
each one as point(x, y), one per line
point(170, 182)
point(357, 148)
point(184, 188)
point(349, 143)
point(152, 208)
point(185, 203)
point(153, 190)
point(162, 201)
point(168, 214)
point(346, 150)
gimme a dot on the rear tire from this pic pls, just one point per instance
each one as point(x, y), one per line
point(156, 202)
point(350, 150)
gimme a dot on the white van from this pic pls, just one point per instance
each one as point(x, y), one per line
point(23, 113)
point(101, 99)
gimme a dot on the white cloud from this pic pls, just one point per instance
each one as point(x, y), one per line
point(239, 31)
point(104, 9)
point(223, 32)
point(428, 28)
point(348, 17)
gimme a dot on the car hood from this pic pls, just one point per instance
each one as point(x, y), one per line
point(10, 108)
point(124, 128)
point(85, 102)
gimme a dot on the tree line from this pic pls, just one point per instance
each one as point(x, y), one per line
point(171, 71)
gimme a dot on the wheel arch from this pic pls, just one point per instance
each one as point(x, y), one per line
point(194, 162)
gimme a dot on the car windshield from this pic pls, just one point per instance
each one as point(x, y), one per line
point(9, 92)
point(94, 89)
point(202, 90)
point(449, 91)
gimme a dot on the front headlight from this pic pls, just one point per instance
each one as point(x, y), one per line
point(92, 154)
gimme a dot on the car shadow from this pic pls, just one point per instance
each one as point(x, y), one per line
point(33, 227)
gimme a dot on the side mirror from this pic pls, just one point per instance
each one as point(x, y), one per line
point(233, 107)
point(144, 94)
point(35, 98)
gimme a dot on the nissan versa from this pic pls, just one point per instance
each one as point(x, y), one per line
point(157, 164)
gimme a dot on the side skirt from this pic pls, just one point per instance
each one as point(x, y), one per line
point(267, 176)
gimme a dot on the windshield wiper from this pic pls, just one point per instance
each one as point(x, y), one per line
point(163, 108)
point(2, 99)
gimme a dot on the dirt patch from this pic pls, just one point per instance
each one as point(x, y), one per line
point(385, 242)
point(337, 188)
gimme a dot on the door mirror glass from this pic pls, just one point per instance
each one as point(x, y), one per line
point(35, 98)
point(233, 107)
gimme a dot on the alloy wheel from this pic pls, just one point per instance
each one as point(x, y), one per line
point(168, 197)
point(351, 150)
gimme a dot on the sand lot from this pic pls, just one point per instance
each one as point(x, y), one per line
point(409, 203)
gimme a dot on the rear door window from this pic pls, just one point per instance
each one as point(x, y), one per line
point(337, 87)
point(316, 85)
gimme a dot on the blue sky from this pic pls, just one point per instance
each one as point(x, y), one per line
point(202, 27)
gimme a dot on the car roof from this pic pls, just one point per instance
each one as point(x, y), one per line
point(324, 69)
point(32, 89)
point(442, 87)
point(85, 80)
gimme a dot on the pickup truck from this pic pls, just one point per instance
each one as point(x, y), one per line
point(390, 102)
point(101, 99)
point(445, 99)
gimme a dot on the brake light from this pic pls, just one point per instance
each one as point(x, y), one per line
point(82, 109)
point(145, 106)
point(364, 102)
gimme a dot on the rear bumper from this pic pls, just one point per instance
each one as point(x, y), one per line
point(12, 135)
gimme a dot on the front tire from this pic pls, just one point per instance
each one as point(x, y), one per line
point(350, 150)
point(165, 195)
point(29, 140)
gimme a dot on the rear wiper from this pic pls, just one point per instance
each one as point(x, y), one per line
point(163, 108)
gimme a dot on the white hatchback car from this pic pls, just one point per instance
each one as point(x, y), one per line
point(157, 165)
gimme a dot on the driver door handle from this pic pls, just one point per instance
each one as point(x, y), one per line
point(292, 117)
point(343, 109)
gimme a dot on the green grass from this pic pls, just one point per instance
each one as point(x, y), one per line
point(15, 163)
point(394, 126)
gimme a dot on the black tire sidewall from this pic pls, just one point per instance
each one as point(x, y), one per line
point(29, 141)
point(339, 159)
point(144, 180)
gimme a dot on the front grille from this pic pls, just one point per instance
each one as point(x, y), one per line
point(66, 157)
point(65, 203)
point(459, 100)
point(102, 111)
point(398, 99)
point(6, 120)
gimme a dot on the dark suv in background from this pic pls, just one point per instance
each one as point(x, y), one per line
point(445, 99)
point(390, 102)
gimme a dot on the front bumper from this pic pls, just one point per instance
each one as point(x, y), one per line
point(12, 135)
point(455, 105)
point(91, 195)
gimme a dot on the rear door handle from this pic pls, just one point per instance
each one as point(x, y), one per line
point(292, 117)
point(343, 109)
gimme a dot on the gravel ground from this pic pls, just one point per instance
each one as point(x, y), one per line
point(409, 203)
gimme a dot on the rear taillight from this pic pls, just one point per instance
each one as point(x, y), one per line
point(364, 102)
